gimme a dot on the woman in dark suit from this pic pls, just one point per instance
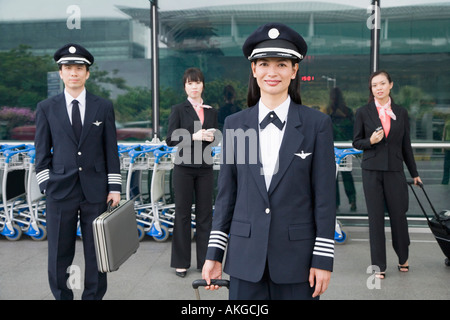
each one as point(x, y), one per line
point(191, 129)
point(382, 130)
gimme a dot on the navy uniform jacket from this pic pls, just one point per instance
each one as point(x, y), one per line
point(61, 161)
point(291, 226)
point(390, 153)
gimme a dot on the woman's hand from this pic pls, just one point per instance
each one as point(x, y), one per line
point(417, 181)
point(203, 135)
point(376, 136)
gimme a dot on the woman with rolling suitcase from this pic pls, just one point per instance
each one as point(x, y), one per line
point(381, 130)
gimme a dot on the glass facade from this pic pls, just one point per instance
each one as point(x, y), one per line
point(414, 48)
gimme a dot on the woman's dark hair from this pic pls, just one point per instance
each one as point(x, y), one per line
point(229, 93)
point(193, 74)
point(254, 92)
point(336, 101)
point(373, 75)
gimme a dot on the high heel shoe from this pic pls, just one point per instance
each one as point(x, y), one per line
point(403, 268)
point(181, 272)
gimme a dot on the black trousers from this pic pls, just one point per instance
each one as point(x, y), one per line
point(62, 219)
point(386, 189)
point(266, 289)
point(191, 183)
point(349, 187)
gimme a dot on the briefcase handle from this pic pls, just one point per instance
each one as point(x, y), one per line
point(110, 208)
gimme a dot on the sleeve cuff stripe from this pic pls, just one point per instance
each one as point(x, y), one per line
point(218, 236)
point(211, 241)
point(321, 244)
point(114, 178)
point(324, 250)
point(319, 239)
point(43, 176)
point(216, 246)
point(219, 233)
point(323, 254)
point(43, 172)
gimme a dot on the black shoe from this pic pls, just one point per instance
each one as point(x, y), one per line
point(181, 274)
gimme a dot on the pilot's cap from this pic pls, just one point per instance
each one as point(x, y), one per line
point(275, 40)
point(73, 53)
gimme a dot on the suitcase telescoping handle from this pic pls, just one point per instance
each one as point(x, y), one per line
point(411, 184)
point(202, 283)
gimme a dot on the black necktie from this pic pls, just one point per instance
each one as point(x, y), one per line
point(76, 119)
point(272, 117)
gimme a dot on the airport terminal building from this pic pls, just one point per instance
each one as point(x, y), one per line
point(414, 47)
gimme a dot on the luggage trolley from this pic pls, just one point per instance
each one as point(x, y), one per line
point(163, 213)
point(155, 158)
point(15, 217)
point(344, 162)
point(35, 200)
point(8, 228)
point(135, 162)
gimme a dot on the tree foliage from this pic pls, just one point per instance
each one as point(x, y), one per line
point(23, 81)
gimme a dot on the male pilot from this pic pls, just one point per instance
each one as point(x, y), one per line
point(275, 216)
point(77, 167)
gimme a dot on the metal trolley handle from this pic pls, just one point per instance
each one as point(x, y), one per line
point(202, 283)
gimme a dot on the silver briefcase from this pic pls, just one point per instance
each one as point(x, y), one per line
point(115, 236)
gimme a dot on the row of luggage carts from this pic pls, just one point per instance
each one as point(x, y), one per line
point(144, 166)
point(22, 208)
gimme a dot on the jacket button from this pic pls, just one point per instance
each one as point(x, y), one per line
point(80, 169)
point(267, 210)
point(79, 153)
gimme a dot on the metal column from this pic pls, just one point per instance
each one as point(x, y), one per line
point(155, 68)
point(375, 36)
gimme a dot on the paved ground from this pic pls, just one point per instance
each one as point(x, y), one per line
point(147, 276)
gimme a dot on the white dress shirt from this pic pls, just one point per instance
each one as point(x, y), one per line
point(270, 139)
point(81, 104)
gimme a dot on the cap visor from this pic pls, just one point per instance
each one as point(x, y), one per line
point(73, 60)
point(274, 53)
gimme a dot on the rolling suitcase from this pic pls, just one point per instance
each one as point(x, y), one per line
point(439, 224)
point(115, 236)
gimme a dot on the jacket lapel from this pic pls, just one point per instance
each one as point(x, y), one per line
point(251, 123)
point(373, 114)
point(190, 111)
point(60, 110)
point(89, 115)
point(292, 140)
point(394, 123)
